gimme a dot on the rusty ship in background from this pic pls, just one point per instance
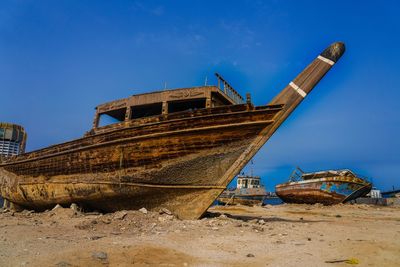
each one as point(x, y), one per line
point(249, 191)
point(325, 187)
point(177, 149)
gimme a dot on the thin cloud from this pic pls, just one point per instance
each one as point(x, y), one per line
point(158, 10)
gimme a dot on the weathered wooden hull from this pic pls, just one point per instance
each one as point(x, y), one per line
point(328, 191)
point(183, 201)
point(181, 170)
point(181, 161)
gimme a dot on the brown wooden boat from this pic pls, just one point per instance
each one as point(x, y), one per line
point(176, 149)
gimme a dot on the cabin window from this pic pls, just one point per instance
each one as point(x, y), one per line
point(112, 116)
point(183, 105)
point(146, 110)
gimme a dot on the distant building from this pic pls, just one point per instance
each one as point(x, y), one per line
point(12, 142)
point(12, 139)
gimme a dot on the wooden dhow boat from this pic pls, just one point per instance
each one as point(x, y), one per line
point(177, 149)
point(325, 187)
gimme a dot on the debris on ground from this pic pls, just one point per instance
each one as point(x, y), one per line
point(143, 210)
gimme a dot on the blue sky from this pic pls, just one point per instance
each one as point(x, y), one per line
point(59, 59)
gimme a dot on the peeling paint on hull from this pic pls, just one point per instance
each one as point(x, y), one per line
point(328, 191)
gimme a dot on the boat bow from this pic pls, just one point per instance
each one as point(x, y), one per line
point(291, 96)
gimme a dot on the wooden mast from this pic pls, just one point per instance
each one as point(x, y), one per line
point(302, 85)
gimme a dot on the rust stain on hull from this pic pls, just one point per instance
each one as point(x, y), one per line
point(181, 161)
point(327, 190)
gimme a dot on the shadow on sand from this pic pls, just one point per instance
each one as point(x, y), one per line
point(247, 218)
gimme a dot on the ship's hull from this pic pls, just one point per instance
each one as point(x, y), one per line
point(243, 196)
point(247, 200)
point(327, 191)
point(180, 168)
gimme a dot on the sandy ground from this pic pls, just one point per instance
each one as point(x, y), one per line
point(285, 235)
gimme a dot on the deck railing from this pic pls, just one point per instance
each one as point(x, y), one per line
point(228, 90)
